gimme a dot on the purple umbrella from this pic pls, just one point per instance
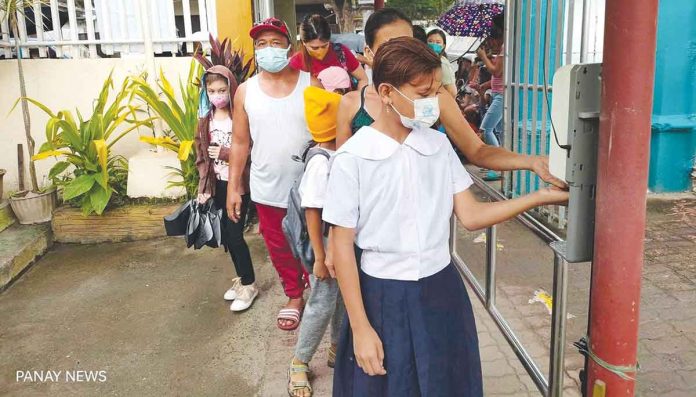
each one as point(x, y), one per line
point(470, 18)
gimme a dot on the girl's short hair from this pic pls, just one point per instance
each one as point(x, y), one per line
point(213, 77)
point(401, 60)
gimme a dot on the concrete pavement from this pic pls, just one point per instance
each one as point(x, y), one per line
point(151, 315)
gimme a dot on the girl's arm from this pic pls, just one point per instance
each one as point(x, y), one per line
point(346, 111)
point(474, 215)
point(495, 158)
point(367, 346)
point(359, 73)
point(316, 238)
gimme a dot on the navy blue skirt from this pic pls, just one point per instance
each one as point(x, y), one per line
point(429, 336)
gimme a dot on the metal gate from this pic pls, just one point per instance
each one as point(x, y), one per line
point(540, 37)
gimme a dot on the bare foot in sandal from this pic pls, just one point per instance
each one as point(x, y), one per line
point(289, 317)
point(298, 382)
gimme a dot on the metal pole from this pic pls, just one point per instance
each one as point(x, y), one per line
point(585, 31)
point(267, 8)
point(624, 143)
point(491, 245)
point(144, 12)
point(510, 60)
point(558, 321)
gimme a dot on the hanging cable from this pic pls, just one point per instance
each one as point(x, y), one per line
point(546, 86)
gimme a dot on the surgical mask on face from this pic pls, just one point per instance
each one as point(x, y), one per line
point(436, 47)
point(319, 54)
point(219, 100)
point(272, 59)
point(426, 111)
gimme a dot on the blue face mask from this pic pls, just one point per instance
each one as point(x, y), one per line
point(272, 59)
point(436, 47)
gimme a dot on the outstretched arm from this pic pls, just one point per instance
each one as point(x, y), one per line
point(474, 215)
point(482, 155)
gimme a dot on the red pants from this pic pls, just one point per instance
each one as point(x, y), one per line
point(292, 274)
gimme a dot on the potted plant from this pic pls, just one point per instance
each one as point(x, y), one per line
point(36, 205)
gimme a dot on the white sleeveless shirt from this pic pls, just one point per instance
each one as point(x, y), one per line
point(279, 131)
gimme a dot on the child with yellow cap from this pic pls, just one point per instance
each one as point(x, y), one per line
point(325, 304)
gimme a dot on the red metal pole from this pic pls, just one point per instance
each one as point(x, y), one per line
point(624, 148)
point(379, 4)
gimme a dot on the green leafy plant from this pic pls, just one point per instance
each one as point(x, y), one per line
point(181, 118)
point(97, 175)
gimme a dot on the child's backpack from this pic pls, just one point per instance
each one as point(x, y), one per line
point(295, 224)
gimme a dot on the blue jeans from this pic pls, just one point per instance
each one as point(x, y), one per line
point(492, 124)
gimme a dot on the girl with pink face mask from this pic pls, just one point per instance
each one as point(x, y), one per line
point(213, 141)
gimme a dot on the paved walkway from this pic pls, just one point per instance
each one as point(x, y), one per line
point(150, 314)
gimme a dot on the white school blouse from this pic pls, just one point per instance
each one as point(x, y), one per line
point(399, 198)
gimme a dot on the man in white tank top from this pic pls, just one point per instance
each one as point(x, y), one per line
point(269, 111)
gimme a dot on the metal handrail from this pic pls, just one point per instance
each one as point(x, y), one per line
point(553, 386)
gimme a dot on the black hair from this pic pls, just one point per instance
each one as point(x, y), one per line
point(313, 27)
point(419, 33)
point(378, 19)
point(440, 33)
point(444, 39)
point(496, 32)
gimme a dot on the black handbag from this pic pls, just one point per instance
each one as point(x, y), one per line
point(175, 223)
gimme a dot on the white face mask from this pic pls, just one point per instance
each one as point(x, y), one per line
point(426, 111)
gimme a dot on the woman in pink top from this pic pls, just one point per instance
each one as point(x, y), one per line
point(319, 53)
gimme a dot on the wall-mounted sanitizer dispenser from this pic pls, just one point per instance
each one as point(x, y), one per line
point(573, 153)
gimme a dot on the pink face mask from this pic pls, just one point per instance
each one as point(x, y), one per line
point(219, 100)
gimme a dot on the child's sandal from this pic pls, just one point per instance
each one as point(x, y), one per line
point(295, 386)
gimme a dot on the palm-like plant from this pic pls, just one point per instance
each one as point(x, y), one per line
point(221, 53)
point(85, 144)
point(10, 12)
point(181, 119)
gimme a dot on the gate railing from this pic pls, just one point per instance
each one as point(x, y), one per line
point(551, 385)
point(541, 36)
point(103, 28)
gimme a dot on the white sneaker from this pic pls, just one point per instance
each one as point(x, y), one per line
point(231, 293)
point(245, 297)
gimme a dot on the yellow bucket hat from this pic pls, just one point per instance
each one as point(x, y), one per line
point(321, 110)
